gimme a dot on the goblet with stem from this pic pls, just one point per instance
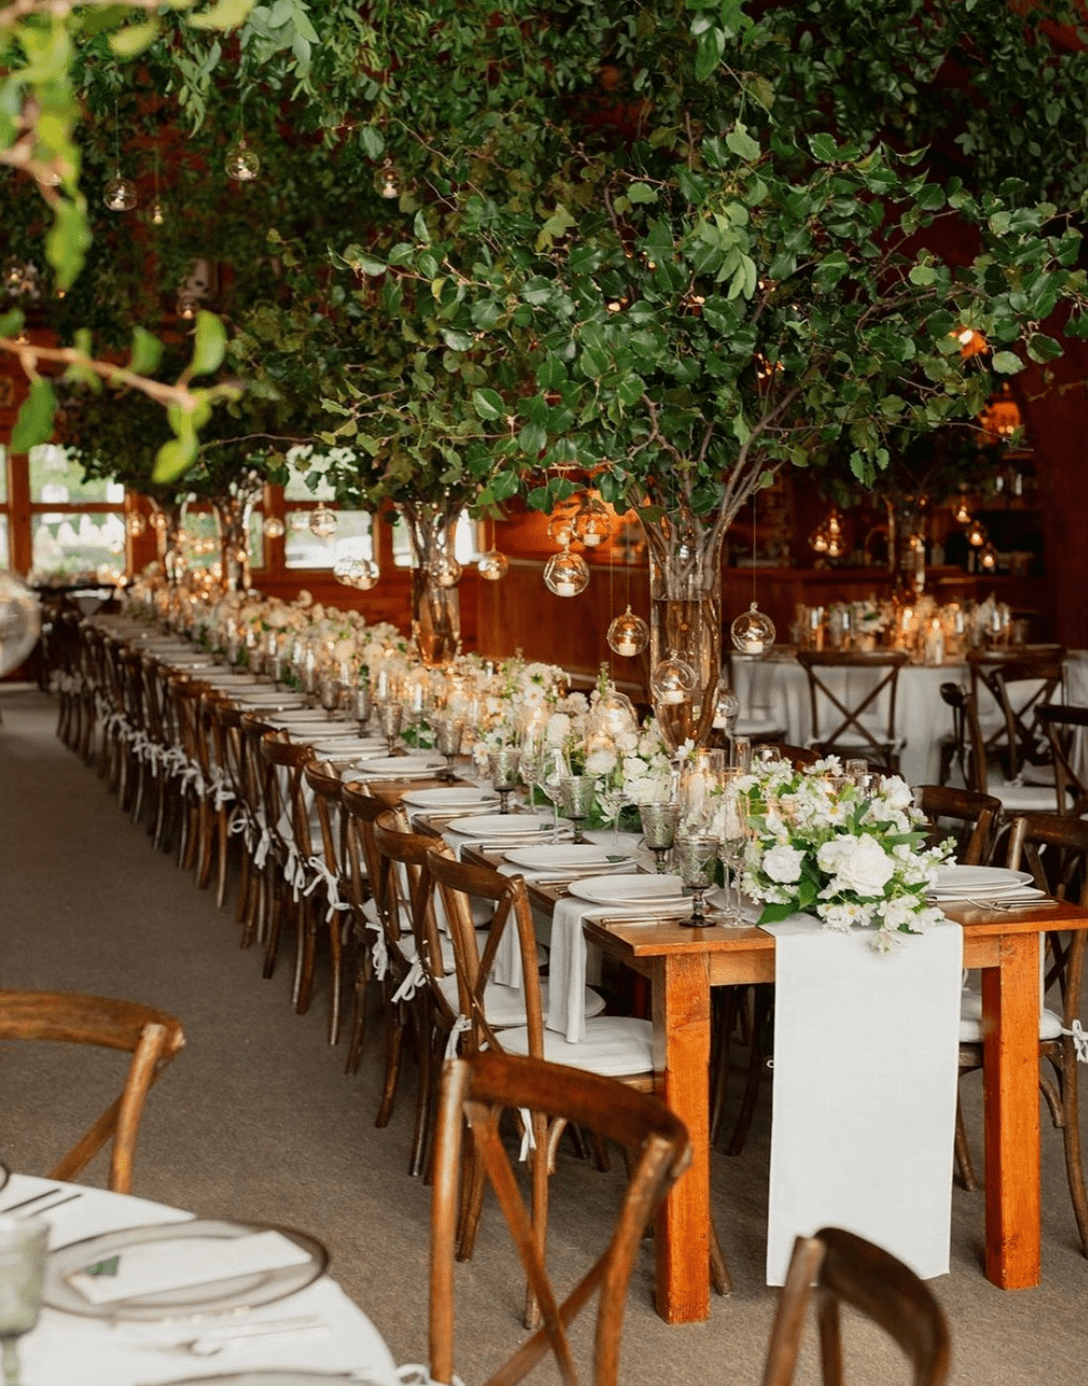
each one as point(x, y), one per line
point(390, 716)
point(329, 694)
point(659, 822)
point(502, 765)
point(697, 860)
point(22, 1267)
point(531, 766)
point(576, 796)
point(448, 735)
point(360, 705)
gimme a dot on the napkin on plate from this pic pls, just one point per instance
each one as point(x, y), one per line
point(151, 1268)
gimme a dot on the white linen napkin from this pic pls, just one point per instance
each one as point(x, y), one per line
point(864, 1107)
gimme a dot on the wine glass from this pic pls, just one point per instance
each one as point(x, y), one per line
point(22, 1267)
point(503, 765)
point(613, 797)
point(554, 769)
point(696, 861)
point(360, 705)
point(531, 766)
point(390, 716)
point(448, 735)
point(659, 828)
point(732, 826)
point(576, 793)
point(329, 694)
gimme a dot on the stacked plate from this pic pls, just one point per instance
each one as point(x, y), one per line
point(402, 767)
point(482, 825)
point(644, 894)
point(458, 798)
point(560, 856)
point(996, 883)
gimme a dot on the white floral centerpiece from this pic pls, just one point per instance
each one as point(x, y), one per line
point(855, 858)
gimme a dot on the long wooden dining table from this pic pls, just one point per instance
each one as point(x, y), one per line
point(682, 966)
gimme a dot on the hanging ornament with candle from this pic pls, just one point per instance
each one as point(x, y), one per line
point(673, 681)
point(565, 573)
point(592, 521)
point(628, 634)
point(492, 565)
point(119, 194)
point(753, 631)
point(323, 522)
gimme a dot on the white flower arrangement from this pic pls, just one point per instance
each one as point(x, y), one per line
point(854, 858)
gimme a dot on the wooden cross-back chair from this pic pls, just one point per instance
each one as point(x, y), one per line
point(283, 763)
point(849, 1270)
point(975, 819)
point(855, 723)
point(1019, 683)
point(152, 1037)
point(327, 858)
point(1055, 849)
point(1065, 727)
point(968, 749)
point(475, 1093)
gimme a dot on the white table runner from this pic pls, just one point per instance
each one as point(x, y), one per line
point(865, 1072)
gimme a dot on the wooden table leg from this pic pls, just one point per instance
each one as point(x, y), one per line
point(681, 990)
point(1010, 1006)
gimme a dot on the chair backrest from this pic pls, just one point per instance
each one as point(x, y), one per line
point(856, 713)
point(847, 1269)
point(1019, 682)
point(328, 789)
point(1064, 726)
point(475, 1092)
point(458, 883)
point(152, 1038)
point(284, 762)
point(798, 756)
point(1054, 848)
point(406, 868)
point(977, 816)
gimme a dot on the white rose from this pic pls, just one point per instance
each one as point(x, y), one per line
point(859, 864)
point(600, 762)
point(783, 864)
point(896, 792)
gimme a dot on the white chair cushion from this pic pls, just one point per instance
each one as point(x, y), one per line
point(1023, 798)
point(617, 1046)
point(1050, 1025)
point(506, 1005)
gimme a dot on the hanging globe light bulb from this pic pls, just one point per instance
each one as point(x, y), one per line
point(592, 522)
point(387, 181)
point(119, 194)
point(274, 527)
point(673, 681)
point(135, 524)
point(819, 541)
point(987, 558)
point(323, 522)
point(158, 520)
point(628, 634)
point(976, 535)
point(753, 632)
point(614, 713)
point(241, 163)
point(343, 571)
point(561, 528)
point(835, 546)
point(960, 512)
point(492, 566)
point(187, 307)
point(566, 574)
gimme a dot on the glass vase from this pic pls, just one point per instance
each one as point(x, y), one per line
point(436, 605)
point(686, 618)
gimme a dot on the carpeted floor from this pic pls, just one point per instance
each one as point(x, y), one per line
point(256, 1119)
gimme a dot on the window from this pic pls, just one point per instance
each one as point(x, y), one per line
point(466, 545)
point(77, 527)
point(307, 491)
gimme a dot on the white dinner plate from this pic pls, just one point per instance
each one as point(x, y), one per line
point(974, 880)
point(558, 854)
point(402, 767)
point(281, 702)
point(630, 890)
point(286, 1376)
point(339, 746)
point(500, 825)
point(457, 796)
point(212, 1297)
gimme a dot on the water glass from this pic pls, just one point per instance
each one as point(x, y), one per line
point(22, 1268)
point(659, 823)
point(390, 716)
point(733, 834)
point(741, 747)
point(329, 694)
point(697, 863)
point(576, 796)
point(502, 765)
point(360, 705)
point(448, 735)
point(554, 769)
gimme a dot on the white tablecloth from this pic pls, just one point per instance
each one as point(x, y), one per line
point(65, 1350)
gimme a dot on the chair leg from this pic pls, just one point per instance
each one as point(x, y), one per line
point(336, 983)
point(964, 1163)
point(546, 1139)
point(1071, 1139)
point(423, 1031)
point(764, 1001)
point(394, 1044)
point(305, 955)
point(357, 1033)
point(719, 1268)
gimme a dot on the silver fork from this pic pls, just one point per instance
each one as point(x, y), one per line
point(1008, 906)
